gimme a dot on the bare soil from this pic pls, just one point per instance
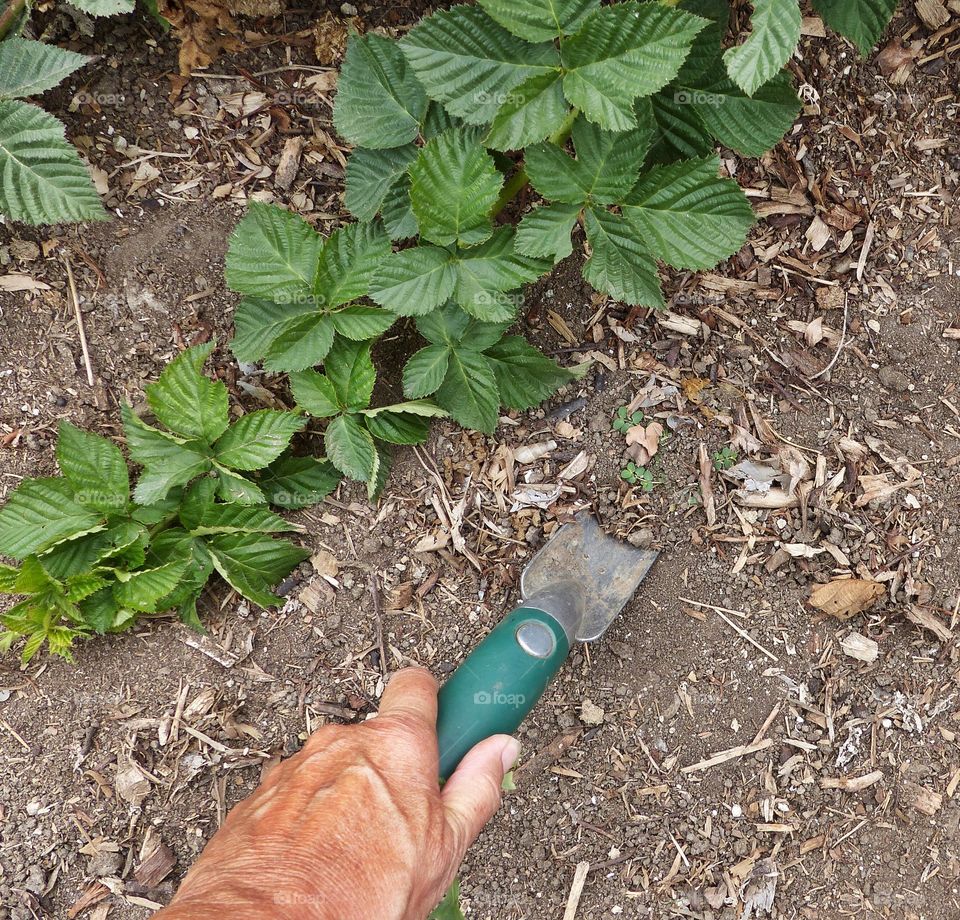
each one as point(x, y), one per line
point(676, 681)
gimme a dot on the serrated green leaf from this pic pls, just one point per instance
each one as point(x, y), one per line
point(454, 185)
point(621, 52)
point(94, 466)
point(445, 326)
point(303, 342)
point(234, 488)
point(8, 579)
point(360, 323)
point(414, 281)
point(381, 471)
point(775, 31)
point(437, 120)
point(379, 101)
point(468, 62)
point(525, 376)
point(350, 447)
point(188, 402)
point(82, 585)
point(485, 274)
point(351, 372)
point(862, 21)
point(678, 130)
point(469, 391)
point(687, 216)
point(705, 51)
point(99, 610)
point(257, 439)
point(449, 907)
point(28, 68)
point(750, 125)
point(423, 407)
point(619, 264)
point(235, 518)
point(545, 231)
point(33, 578)
point(530, 112)
point(257, 322)
point(141, 590)
point(397, 211)
point(273, 254)
point(539, 20)
point(348, 262)
point(40, 513)
point(315, 394)
point(42, 178)
point(32, 646)
point(168, 461)
point(425, 370)
point(104, 7)
point(298, 482)
point(605, 169)
point(370, 175)
point(479, 336)
point(197, 500)
point(399, 427)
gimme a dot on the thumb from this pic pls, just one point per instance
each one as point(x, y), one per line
point(472, 795)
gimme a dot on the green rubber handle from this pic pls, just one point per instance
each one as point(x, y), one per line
point(498, 683)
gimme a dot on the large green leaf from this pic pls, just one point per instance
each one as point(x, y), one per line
point(487, 272)
point(42, 178)
point(94, 466)
point(678, 130)
point(445, 326)
point(750, 125)
point(525, 376)
point(469, 63)
point(775, 31)
point(379, 101)
point(351, 372)
point(454, 185)
point(302, 342)
point(539, 20)
point(350, 447)
point(104, 7)
point(415, 281)
point(40, 513)
point(233, 487)
point(348, 261)
point(258, 321)
point(545, 231)
point(399, 427)
point(624, 51)
point(862, 21)
point(688, 216)
point(606, 166)
point(142, 590)
point(315, 394)
point(381, 471)
point(239, 519)
point(619, 264)
point(256, 439)
point(370, 174)
point(28, 68)
point(252, 563)
point(359, 322)
point(469, 391)
point(397, 210)
point(530, 112)
point(188, 402)
point(273, 254)
point(425, 370)
point(298, 482)
point(705, 51)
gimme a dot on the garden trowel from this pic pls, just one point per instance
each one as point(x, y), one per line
point(572, 590)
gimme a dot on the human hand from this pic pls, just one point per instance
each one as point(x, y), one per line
point(354, 826)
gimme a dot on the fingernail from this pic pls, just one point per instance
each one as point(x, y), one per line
point(510, 754)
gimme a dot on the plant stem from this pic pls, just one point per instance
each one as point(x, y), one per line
point(10, 15)
point(518, 181)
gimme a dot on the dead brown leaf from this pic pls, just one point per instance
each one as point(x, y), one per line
point(846, 597)
point(644, 442)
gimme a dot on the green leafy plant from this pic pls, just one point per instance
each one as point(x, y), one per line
point(638, 475)
point(724, 458)
point(624, 421)
point(610, 115)
point(95, 556)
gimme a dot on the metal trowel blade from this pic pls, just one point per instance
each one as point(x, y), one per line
point(605, 571)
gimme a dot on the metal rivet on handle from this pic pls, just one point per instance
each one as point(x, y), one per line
point(536, 639)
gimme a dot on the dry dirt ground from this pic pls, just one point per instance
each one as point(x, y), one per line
point(825, 346)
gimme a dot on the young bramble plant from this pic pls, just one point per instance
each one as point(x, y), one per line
point(724, 458)
point(638, 476)
point(94, 557)
point(623, 421)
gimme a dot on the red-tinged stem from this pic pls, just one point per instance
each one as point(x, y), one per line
point(10, 15)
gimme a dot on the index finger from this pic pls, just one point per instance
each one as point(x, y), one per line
point(412, 694)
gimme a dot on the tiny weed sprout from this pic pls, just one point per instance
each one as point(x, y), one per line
point(95, 556)
point(623, 422)
point(724, 458)
point(638, 476)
